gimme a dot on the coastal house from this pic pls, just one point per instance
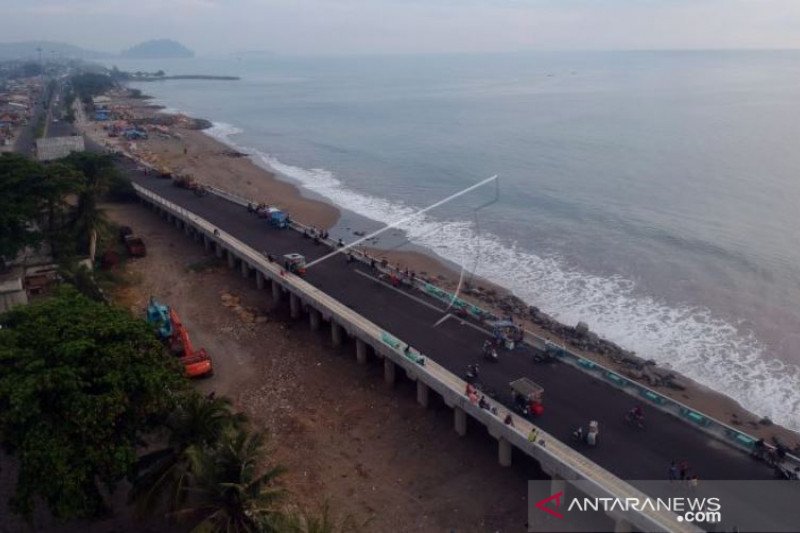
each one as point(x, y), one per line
point(29, 274)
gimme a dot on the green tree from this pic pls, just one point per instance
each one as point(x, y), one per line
point(58, 181)
point(19, 207)
point(227, 493)
point(162, 475)
point(31, 201)
point(97, 173)
point(81, 384)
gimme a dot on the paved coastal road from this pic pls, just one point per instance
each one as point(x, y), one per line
point(572, 398)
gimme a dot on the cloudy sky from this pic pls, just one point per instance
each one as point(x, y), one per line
point(407, 26)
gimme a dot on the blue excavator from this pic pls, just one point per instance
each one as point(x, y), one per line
point(158, 317)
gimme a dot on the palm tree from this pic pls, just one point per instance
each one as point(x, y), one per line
point(162, 476)
point(227, 493)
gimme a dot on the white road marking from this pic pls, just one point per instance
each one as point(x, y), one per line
point(421, 301)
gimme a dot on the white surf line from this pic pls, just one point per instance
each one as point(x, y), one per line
point(402, 220)
point(421, 301)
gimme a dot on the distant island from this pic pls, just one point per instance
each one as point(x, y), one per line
point(157, 49)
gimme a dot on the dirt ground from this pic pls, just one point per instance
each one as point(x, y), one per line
point(344, 435)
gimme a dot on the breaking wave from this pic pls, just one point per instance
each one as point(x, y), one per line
point(688, 339)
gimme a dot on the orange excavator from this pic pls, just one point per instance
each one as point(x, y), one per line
point(196, 363)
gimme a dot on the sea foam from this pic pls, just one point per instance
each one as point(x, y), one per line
point(688, 339)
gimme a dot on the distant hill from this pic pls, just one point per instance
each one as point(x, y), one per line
point(157, 49)
point(50, 50)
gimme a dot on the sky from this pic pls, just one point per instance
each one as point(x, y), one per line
point(213, 27)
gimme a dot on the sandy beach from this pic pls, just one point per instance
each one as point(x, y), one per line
point(187, 150)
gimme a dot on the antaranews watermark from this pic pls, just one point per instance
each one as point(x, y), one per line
point(691, 505)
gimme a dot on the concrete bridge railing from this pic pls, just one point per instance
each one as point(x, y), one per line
point(562, 462)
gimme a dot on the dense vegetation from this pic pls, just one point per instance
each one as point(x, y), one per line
point(33, 209)
point(90, 401)
point(85, 385)
point(31, 201)
point(81, 383)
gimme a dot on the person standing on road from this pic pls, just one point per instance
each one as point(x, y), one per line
point(673, 472)
point(593, 435)
point(683, 470)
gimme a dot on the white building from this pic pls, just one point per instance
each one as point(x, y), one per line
point(58, 147)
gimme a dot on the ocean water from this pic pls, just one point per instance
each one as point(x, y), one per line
point(653, 195)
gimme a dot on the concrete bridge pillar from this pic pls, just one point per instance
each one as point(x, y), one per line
point(294, 305)
point(218, 250)
point(460, 421)
point(622, 526)
point(259, 280)
point(389, 370)
point(206, 243)
point(336, 333)
point(423, 393)
point(361, 352)
point(231, 259)
point(314, 319)
point(504, 452)
point(196, 235)
point(276, 292)
point(178, 222)
point(245, 269)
